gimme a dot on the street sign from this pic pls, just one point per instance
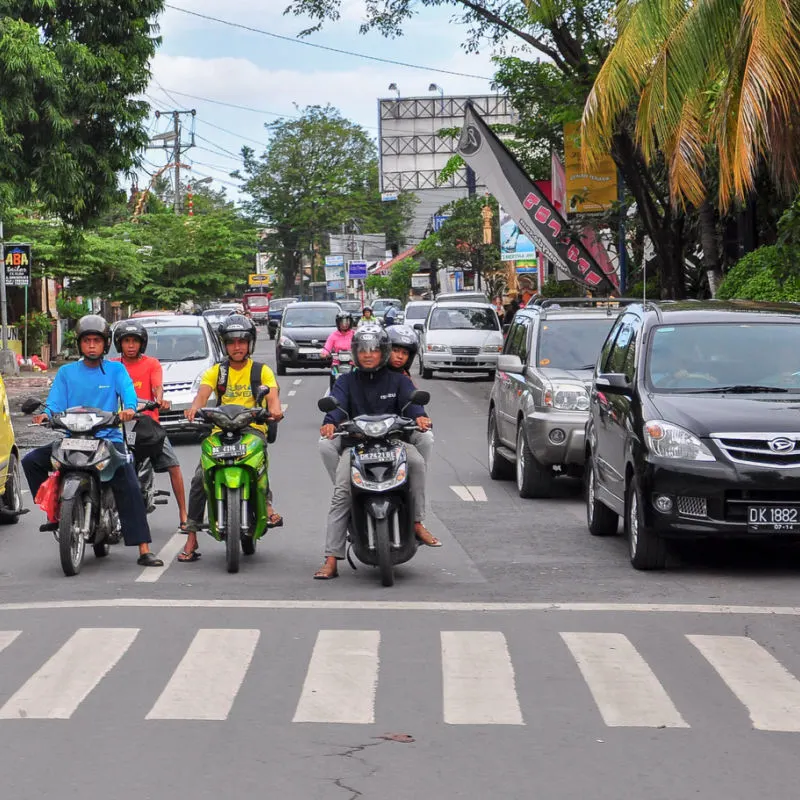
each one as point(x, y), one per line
point(439, 220)
point(335, 286)
point(259, 280)
point(17, 264)
point(357, 270)
point(420, 280)
point(387, 197)
point(334, 273)
point(334, 261)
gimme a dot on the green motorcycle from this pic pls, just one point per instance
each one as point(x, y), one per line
point(234, 462)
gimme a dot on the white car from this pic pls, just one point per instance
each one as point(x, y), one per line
point(459, 337)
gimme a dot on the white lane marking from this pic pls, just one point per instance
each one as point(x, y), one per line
point(404, 605)
point(167, 554)
point(284, 406)
point(64, 681)
point(463, 493)
point(769, 692)
point(625, 689)
point(478, 493)
point(205, 683)
point(298, 382)
point(6, 637)
point(342, 678)
point(292, 393)
point(478, 679)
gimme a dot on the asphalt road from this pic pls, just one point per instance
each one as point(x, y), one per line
point(523, 659)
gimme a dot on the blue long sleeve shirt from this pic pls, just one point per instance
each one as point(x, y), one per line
point(381, 392)
point(108, 388)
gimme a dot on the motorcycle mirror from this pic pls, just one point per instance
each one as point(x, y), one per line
point(327, 404)
point(263, 391)
point(30, 405)
point(421, 397)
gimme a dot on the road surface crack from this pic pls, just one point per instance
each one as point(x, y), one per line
point(355, 793)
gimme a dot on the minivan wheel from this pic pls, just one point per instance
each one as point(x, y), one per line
point(534, 479)
point(499, 468)
point(280, 369)
point(426, 373)
point(600, 519)
point(647, 549)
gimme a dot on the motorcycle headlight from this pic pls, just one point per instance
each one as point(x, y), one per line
point(567, 397)
point(285, 341)
point(671, 441)
point(101, 465)
point(437, 348)
point(56, 465)
point(492, 348)
point(375, 428)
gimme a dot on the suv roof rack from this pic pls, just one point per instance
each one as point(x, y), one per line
point(602, 302)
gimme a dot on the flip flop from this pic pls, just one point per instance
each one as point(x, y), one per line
point(275, 520)
point(189, 557)
point(320, 575)
point(434, 543)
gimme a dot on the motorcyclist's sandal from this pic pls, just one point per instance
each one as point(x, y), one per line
point(326, 573)
point(424, 536)
point(149, 560)
point(187, 558)
point(275, 520)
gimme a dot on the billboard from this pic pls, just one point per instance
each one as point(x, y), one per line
point(596, 188)
point(514, 244)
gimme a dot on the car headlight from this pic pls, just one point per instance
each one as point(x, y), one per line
point(672, 441)
point(567, 397)
point(285, 341)
point(492, 348)
point(437, 348)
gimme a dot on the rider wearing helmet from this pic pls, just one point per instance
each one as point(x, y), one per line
point(94, 383)
point(339, 340)
point(366, 315)
point(130, 341)
point(234, 386)
point(371, 389)
point(404, 347)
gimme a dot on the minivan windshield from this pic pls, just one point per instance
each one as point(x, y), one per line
point(725, 357)
point(572, 343)
point(417, 311)
point(303, 316)
point(174, 343)
point(281, 302)
point(463, 318)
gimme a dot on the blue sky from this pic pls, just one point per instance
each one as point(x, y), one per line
point(213, 61)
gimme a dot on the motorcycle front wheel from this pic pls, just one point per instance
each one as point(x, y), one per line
point(71, 543)
point(384, 550)
point(233, 529)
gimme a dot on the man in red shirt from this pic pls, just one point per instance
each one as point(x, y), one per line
point(130, 339)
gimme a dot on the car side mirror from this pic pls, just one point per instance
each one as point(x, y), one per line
point(511, 364)
point(613, 383)
point(419, 326)
point(30, 405)
point(327, 404)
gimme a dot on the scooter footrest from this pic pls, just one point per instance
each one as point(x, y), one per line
point(48, 526)
point(161, 493)
point(160, 502)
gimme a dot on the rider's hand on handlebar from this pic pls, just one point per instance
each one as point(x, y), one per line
point(38, 419)
point(190, 413)
point(165, 405)
point(327, 431)
point(126, 415)
point(424, 423)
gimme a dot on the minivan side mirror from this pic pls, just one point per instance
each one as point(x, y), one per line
point(613, 383)
point(511, 364)
point(419, 326)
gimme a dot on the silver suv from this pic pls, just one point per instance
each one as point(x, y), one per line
point(539, 403)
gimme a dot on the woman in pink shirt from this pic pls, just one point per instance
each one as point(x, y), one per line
point(339, 340)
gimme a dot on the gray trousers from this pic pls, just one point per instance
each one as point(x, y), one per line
point(339, 511)
point(331, 449)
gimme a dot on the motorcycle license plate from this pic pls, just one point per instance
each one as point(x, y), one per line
point(85, 445)
point(228, 451)
point(377, 455)
point(774, 518)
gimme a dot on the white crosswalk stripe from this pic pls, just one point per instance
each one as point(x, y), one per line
point(341, 681)
point(208, 678)
point(769, 692)
point(342, 678)
point(57, 689)
point(626, 690)
point(478, 679)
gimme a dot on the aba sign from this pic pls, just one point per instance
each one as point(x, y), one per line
point(17, 264)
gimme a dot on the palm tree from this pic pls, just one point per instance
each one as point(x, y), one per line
point(716, 85)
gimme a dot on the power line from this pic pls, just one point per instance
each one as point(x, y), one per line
point(219, 147)
point(232, 133)
point(233, 105)
point(324, 47)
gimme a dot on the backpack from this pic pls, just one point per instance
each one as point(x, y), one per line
point(256, 369)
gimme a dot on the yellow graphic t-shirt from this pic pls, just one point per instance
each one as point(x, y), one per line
point(239, 391)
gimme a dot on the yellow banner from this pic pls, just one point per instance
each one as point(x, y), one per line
point(259, 280)
point(591, 191)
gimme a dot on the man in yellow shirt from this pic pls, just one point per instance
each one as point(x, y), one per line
point(238, 335)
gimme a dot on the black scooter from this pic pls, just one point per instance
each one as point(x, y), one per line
point(381, 530)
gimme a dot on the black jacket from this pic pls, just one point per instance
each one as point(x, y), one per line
point(381, 392)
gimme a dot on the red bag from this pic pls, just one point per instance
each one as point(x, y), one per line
point(47, 497)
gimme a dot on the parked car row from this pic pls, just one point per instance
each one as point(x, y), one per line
point(684, 420)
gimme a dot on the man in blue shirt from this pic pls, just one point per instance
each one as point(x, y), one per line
point(102, 384)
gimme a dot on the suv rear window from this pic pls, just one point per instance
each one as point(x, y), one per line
point(572, 343)
point(304, 317)
point(176, 343)
point(470, 319)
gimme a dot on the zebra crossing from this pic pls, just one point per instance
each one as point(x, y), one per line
point(479, 684)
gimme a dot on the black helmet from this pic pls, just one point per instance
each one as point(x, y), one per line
point(130, 328)
point(237, 326)
point(343, 316)
point(93, 323)
point(371, 337)
point(403, 336)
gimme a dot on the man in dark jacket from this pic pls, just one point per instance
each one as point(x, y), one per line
point(371, 389)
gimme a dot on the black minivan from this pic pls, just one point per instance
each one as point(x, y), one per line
point(694, 425)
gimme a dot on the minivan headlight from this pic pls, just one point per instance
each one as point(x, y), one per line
point(437, 348)
point(671, 441)
point(285, 341)
point(492, 348)
point(567, 397)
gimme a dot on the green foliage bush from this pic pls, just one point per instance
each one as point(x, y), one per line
point(768, 273)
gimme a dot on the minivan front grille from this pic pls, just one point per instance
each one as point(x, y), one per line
point(781, 450)
point(180, 386)
point(465, 351)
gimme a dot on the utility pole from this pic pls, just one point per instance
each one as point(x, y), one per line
point(178, 148)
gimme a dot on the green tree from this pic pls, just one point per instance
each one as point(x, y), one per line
point(318, 173)
point(397, 283)
point(69, 70)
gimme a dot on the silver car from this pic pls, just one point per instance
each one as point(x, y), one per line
point(186, 346)
point(459, 337)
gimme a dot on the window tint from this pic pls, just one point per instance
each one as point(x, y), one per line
point(618, 359)
point(571, 343)
point(609, 343)
point(517, 341)
point(463, 318)
point(299, 315)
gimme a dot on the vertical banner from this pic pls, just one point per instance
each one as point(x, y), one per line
point(592, 190)
point(527, 204)
point(558, 180)
point(515, 246)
